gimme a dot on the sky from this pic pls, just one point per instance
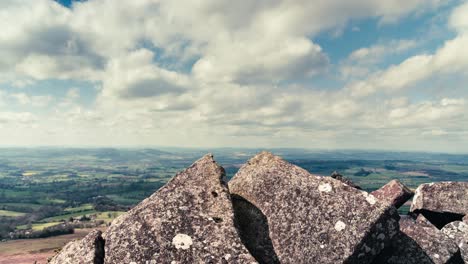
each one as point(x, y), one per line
point(356, 74)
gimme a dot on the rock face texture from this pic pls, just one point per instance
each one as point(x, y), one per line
point(458, 232)
point(418, 243)
point(310, 219)
point(441, 202)
point(189, 220)
point(89, 250)
point(276, 212)
point(394, 193)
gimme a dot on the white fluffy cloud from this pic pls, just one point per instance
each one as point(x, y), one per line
point(218, 72)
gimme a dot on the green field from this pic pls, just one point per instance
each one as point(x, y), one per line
point(84, 207)
point(38, 226)
point(66, 217)
point(11, 213)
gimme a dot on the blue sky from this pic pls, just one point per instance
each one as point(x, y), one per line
point(312, 74)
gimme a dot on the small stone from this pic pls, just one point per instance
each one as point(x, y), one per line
point(394, 193)
point(337, 176)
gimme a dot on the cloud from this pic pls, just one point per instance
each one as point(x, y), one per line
point(459, 20)
point(266, 60)
point(135, 76)
point(365, 60)
point(226, 72)
point(13, 118)
point(451, 58)
point(35, 101)
point(42, 43)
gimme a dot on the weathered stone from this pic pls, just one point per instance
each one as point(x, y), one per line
point(89, 250)
point(465, 219)
point(441, 202)
point(394, 193)
point(458, 232)
point(418, 243)
point(310, 219)
point(337, 176)
point(189, 220)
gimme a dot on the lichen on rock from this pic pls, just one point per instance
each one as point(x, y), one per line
point(314, 219)
point(189, 220)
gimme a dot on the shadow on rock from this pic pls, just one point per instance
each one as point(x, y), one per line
point(253, 230)
point(403, 250)
point(440, 219)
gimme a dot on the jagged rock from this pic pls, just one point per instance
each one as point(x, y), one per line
point(189, 220)
point(310, 219)
point(394, 193)
point(337, 176)
point(465, 219)
point(458, 232)
point(441, 202)
point(418, 244)
point(89, 250)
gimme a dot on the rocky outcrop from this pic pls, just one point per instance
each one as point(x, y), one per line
point(337, 176)
point(441, 202)
point(276, 212)
point(310, 219)
point(394, 193)
point(458, 232)
point(89, 250)
point(189, 220)
point(418, 243)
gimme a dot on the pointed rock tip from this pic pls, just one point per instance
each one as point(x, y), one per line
point(206, 158)
point(264, 157)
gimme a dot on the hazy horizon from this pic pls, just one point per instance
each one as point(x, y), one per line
point(211, 74)
point(201, 148)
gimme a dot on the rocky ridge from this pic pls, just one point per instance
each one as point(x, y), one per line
point(275, 212)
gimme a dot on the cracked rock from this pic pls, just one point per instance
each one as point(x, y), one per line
point(189, 220)
point(312, 219)
point(441, 202)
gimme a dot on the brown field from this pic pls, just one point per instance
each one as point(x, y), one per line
point(27, 251)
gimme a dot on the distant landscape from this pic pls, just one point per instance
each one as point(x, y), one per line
point(46, 192)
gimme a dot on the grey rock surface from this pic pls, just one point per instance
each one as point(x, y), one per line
point(458, 232)
point(89, 250)
point(311, 219)
point(394, 193)
point(419, 243)
point(441, 202)
point(189, 220)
